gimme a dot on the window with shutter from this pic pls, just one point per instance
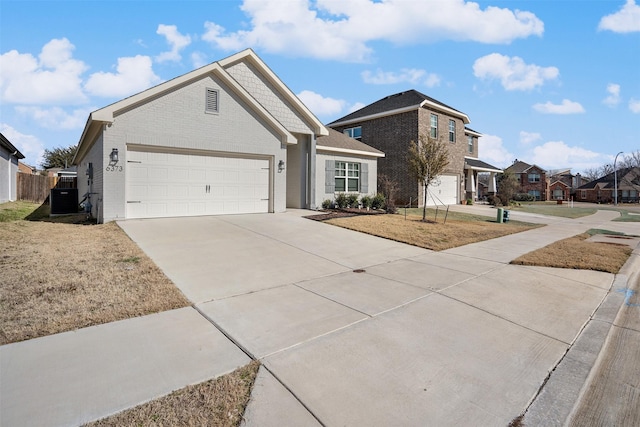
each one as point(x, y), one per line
point(212, 101)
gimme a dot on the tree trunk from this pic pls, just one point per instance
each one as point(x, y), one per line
point(424, 205)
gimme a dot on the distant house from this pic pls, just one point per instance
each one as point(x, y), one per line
point(391, 123)
point(602, 190)
point(571, 181)
point(531, 178)
point(25, 168)
point(559, 190)
point(9, 158)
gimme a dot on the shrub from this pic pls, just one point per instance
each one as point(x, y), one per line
point(366, 201)
point(494, 200)
point(524, 197)
point(352, 200)
point(469, 201)
point(378, 201)
point(341, 200)
point(326, 204)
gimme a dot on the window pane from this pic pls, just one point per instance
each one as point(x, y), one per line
point(340, 184)
point(353, 184)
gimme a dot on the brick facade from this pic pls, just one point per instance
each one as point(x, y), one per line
point(392, 134)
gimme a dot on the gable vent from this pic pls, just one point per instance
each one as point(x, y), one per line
point(212, 102)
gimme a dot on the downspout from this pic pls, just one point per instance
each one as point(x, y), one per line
point(311, 203)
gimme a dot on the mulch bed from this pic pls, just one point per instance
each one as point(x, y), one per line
point(343, 213)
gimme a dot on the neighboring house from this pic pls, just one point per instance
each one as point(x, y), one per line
point(9, 158)
point(570, 180)
point(602, 189)
point(345, 165)
point(532, 179)
point(25, 168)
point(391, 123)
point(229, 137)
point(559, 190)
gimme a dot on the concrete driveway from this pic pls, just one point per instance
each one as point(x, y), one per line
point(417, 338)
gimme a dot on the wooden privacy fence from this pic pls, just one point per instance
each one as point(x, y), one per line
point(35, 188)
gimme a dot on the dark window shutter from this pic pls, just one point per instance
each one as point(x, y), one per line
point(364, 178)
point(329, 176)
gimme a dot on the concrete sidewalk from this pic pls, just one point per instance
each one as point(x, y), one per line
point(417, 337)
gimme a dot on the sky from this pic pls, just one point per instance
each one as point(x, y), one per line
point(554, 83)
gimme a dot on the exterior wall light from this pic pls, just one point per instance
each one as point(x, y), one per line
point(114, 155)
point(280, 165)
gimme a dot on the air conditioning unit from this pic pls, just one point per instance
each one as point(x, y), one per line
point(63, 201)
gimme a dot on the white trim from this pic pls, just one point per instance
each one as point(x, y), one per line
point(348, 151)
point(433, 105)
point(471, 132)
point(377, 115)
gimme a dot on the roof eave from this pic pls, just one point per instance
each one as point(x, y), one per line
point(349, 151)
point(455, 113)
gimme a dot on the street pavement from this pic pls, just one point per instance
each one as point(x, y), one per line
point(351, 329)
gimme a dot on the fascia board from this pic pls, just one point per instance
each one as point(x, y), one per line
point(433, 105)
point(348, 151)
point(377, 115)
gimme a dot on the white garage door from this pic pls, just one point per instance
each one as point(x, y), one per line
point(445, 191)
point(163, 184)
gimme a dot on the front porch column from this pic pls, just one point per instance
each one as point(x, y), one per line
point(471, 182)
point(311, 191)
point(492, 183)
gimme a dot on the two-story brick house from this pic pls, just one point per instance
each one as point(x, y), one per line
point(532, 179)
point(391, 123)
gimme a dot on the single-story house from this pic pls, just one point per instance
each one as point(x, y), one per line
point(9, 157)
point(391, 123)
point(227, 138)
point(25, 168)
point(602, 190)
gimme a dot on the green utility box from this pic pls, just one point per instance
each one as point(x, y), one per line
point(499, 218)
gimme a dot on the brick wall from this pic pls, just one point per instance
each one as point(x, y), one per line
point(392, 135)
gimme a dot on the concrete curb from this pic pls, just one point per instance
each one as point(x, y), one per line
point(564, 388)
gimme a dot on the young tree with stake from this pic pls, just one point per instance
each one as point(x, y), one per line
point(428, 159)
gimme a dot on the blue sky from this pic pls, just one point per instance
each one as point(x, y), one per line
point(555, 83)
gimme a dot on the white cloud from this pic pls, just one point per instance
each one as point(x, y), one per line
point(356, 107)
point(527, 138)
point(626, 20)
point(343, 30)
point(566, 107)
point(198, 59)
point(513, 72)
point(557, 155)
point(319, 105)
point(409, 75)
point(492, 150)
point(28, 145)
point(176, 42)
point(634, 105)
point(52, 78)
point(614, 95)
point(56, 118)
point(133, 74)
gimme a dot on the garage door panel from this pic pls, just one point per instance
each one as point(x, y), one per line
point(445, 191)
point(170, 184)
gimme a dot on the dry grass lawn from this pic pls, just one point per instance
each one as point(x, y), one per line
point(58, 277)
point(218, 402)
point(436, 236)
point(576, 252)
